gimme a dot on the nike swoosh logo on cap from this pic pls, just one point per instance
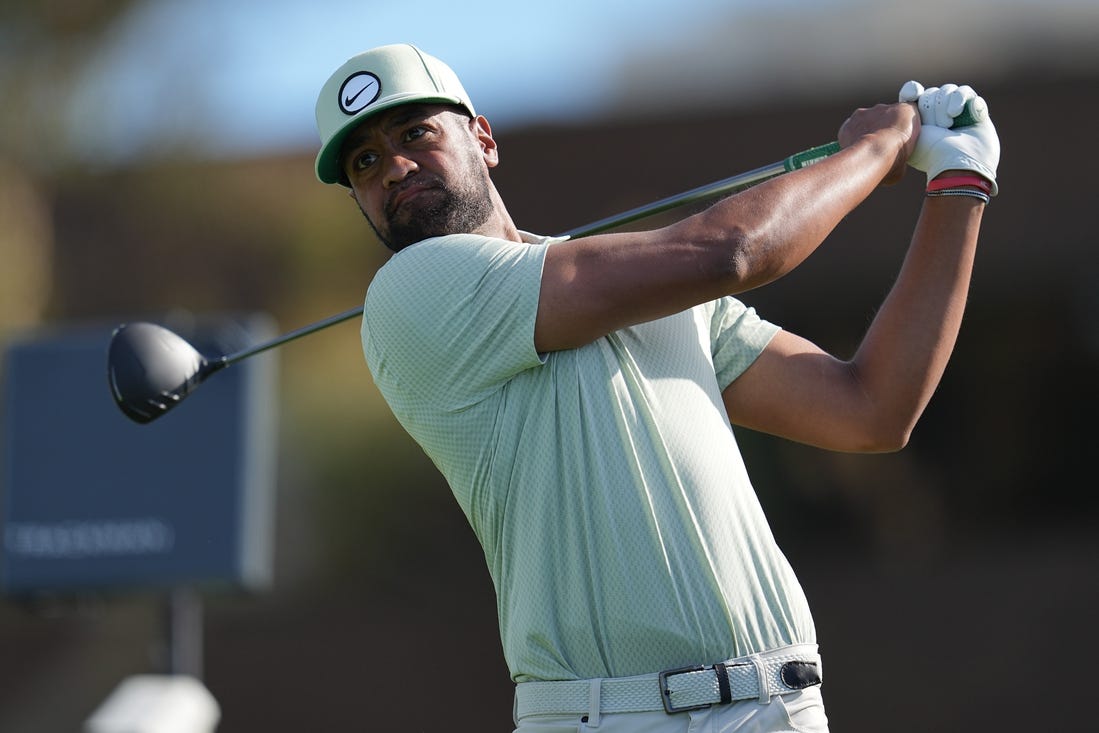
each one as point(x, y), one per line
point(348, 101)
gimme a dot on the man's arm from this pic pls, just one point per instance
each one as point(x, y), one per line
point(872, 402)
point(595, 285)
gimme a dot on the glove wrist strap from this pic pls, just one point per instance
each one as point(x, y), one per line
point(948, 182)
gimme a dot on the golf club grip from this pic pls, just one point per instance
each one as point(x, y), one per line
point(971, 114)
point(974, 111)
point(807, 157)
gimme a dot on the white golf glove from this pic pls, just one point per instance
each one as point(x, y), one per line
point(942, 147)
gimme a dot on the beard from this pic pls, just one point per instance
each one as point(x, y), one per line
point(458, 207)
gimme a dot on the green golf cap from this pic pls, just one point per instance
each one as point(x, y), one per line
point(373, 81)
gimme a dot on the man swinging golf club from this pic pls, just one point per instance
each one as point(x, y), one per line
point(577, 394)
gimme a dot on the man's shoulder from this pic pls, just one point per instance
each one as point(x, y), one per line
point(451, 246)
point(455, 267)
point(447, 255)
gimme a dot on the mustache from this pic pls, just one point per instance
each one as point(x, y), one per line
point(415, 182)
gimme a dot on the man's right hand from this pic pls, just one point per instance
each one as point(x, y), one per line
point(896, 126)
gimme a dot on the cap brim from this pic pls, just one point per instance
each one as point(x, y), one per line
point(328, 159)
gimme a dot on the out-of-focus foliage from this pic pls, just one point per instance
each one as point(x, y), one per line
point(26, 246)
point(43, 45)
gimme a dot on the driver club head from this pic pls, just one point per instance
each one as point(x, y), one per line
point(150, 370)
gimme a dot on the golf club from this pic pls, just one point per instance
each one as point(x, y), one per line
point(150, 369)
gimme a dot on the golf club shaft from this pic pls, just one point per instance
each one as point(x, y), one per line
point(298, 333)
point(695, 195)
point(710, 190)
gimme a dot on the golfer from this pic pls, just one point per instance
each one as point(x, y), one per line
point(578, 395)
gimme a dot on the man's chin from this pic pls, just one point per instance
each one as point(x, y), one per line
point(400, 237)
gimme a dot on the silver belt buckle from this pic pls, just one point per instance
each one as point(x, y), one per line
point(666, 694)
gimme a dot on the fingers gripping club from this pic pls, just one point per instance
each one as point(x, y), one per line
point(956, 131)
point(949, 106)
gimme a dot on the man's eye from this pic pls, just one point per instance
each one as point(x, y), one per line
point(415, 132)
point(364, 161)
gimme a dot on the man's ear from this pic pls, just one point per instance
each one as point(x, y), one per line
point(483, 132)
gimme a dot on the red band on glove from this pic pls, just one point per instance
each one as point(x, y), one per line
point(955, 181)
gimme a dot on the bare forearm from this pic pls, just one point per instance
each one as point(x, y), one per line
point(906, 349)
point(769, 230)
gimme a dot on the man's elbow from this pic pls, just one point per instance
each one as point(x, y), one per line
point(732, 260)
point(888, 436)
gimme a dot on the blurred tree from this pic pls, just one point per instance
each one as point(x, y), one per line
point(26, 247)
point(43, 47)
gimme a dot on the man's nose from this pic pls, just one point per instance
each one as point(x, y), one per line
point(398, 167)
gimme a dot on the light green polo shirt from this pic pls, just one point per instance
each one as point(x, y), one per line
point(604, 483)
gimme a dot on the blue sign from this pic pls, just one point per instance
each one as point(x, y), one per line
point(93, 501)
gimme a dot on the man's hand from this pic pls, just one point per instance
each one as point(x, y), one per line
point(896, 126)
point(940, 146)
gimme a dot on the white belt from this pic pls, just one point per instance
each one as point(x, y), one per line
point(757, 676)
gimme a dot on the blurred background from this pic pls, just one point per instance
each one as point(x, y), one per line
point(156, 157)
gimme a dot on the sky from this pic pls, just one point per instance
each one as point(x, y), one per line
point(244, 75)
point(241, 78)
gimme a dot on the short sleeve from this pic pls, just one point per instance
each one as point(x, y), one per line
point(452, 318)
point(737, 337)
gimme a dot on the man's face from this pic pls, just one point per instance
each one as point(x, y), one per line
point(420, 171)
